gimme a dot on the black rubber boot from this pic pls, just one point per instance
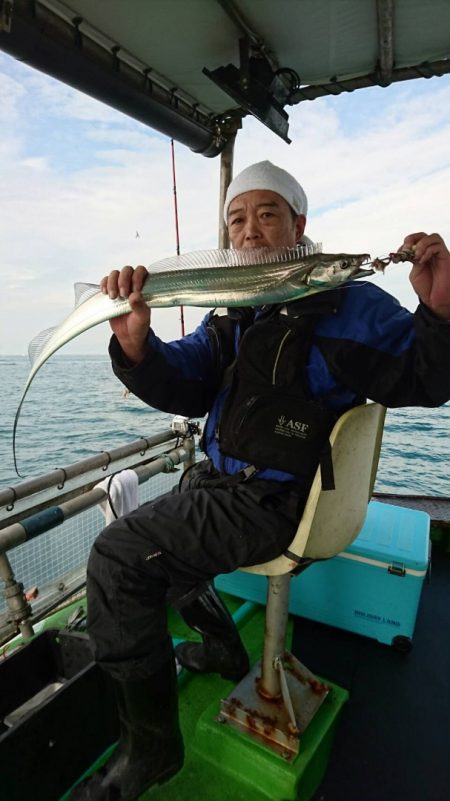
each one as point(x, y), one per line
point(150, 749)
point(222, 650)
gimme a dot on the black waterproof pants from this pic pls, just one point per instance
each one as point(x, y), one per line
point(155, 555)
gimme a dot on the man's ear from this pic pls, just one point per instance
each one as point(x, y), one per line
point(300, 225)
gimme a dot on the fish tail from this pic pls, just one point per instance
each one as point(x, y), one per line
point(16, 420)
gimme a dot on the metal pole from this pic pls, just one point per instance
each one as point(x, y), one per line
point(226, 175)
point(189, 445)
point(16, 602)
point(275, 633)
point(385, 20)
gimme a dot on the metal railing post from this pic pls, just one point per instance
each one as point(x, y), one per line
point(15, 599)
point(189, 445)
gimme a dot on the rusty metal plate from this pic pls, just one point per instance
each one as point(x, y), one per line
point(267, 720)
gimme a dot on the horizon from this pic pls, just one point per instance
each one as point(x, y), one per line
point(80, 180)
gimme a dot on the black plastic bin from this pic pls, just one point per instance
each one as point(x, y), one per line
point(57, 716)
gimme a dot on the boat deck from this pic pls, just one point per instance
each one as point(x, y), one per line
point(391, 743)
point(392, 740)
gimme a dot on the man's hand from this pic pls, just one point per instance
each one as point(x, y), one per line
point(130, 329)
point(430, 275)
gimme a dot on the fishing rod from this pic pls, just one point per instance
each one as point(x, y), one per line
point(177, 232)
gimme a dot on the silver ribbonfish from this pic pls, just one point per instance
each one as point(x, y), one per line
point(208, 278)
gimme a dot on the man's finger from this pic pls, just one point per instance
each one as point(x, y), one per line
point(411, 240)
point(125, 281)
point(138, 278)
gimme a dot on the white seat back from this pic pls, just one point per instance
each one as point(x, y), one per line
point(332, 519)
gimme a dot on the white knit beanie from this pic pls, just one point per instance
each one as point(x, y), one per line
point(266, 175)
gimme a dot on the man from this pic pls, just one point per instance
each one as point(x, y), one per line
point(241, 505)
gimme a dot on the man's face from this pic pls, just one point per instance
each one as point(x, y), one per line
point(262, 219)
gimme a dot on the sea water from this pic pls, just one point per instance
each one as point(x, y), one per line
point(76, 407)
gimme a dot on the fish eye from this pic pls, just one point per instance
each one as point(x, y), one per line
point(345, 263)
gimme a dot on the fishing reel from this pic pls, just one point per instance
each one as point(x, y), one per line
point(184, 426)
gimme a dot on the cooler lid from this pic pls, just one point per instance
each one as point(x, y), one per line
point(394, 534)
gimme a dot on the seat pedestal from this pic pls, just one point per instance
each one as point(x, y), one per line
point(277, 722)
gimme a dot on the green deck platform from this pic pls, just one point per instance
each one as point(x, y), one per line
point(221, 763)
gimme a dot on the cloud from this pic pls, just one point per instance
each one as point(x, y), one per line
point(57, 99)
point(404, 141)
point(78, 181)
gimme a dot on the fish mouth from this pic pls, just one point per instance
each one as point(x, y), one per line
point(362, 261)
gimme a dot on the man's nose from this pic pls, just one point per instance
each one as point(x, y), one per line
point(252, 229)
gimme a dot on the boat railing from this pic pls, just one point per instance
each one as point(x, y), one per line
point(48, 523)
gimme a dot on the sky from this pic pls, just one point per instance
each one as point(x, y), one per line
point(79, 181)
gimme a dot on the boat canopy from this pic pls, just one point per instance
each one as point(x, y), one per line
point(191, 69)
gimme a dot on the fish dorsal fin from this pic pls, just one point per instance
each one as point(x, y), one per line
point(82, 293)
point(234, 258)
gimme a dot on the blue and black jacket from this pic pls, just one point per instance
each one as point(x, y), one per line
point(363, 344)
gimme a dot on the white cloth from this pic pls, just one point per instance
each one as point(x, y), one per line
point(123, 491)
point(265, 175)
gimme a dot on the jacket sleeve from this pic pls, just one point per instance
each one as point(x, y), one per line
point(175, 377)
point(400, 359)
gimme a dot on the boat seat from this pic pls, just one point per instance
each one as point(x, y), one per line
point(331, 520)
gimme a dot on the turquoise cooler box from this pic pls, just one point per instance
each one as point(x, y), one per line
point(372, 588)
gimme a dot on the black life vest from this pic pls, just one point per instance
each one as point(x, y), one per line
point(269, 418)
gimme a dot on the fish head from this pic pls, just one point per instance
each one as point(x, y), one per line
point(344, 261)
point(332, 269)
